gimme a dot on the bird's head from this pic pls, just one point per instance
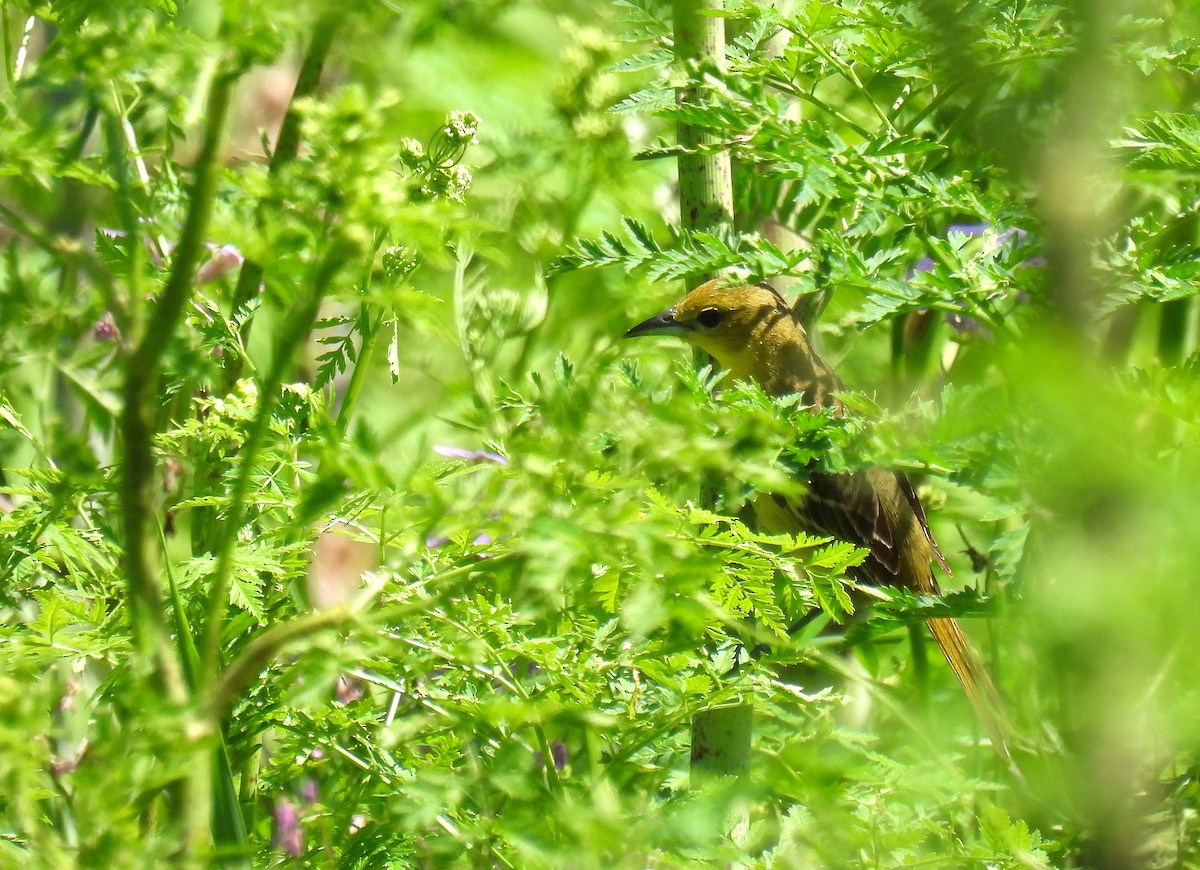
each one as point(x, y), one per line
point(729, 323)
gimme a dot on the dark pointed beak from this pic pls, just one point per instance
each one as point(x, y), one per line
point(659, 324)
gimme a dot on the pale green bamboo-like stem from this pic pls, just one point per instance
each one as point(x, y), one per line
point(721, 736)
point(705, 174)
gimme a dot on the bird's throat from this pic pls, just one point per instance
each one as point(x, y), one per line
point(780, 358)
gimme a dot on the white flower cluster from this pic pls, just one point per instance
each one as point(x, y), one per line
point(460, 128)
point(449, 181)
point(411, 153)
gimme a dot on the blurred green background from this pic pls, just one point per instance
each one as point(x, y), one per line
point(990, 211)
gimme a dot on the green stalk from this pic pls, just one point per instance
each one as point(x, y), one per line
point(226, 691)
point(142, 379)
point(370, 318)
point(1173, 331)
point(721, 736)
point(228, 828)
point(705, 174)
point(139, 504)
point(721, 740)
point(120, 170)
point(295, 331)
point(6, 35)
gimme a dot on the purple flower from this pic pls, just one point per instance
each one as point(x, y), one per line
point(106, 328)
point(482, 539)
point(309, 792)
point(964, 324)
point(975, 229)
point(225, 258)
point(558, 751)
point(558, 754)
point(925, 264)
point(472, 455)
point(288, 837)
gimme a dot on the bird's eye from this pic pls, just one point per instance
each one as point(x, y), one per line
point(708, 318)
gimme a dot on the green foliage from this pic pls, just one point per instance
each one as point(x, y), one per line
point(990, 215)
point(751, 257)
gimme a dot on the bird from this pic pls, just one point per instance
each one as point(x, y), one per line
point(753, 333)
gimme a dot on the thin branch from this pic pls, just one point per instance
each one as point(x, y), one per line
point(294, 332)
point(370, 319)
point(143, 374)
point(220, 700)
point(789, 87)
point(133, 242)
point(850, 75)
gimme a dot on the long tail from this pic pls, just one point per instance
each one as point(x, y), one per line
point(978, 686)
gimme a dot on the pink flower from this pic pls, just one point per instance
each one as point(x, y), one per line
point(472, 455)
point(224, 260)
point(106, 328)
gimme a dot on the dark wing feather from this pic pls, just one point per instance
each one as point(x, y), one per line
point(847, 507)
point(910, 495)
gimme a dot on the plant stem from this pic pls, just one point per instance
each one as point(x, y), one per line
point(294, 332)
point(721, 739)
point(372, 321)
point(133, 241)
point(705, 174)
point(1173, 329)
point(143, 374)
point(260, 651)
point(721, 736)
point(139, 504)
point(370, 318)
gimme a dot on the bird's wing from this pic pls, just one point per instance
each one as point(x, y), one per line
point(915, 503)
point(877, 510)
point(847, 507)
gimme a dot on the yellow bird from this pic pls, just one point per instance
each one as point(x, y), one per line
point(752, 332)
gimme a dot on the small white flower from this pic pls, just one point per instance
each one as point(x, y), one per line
point(411, 152)
point(461, 127)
